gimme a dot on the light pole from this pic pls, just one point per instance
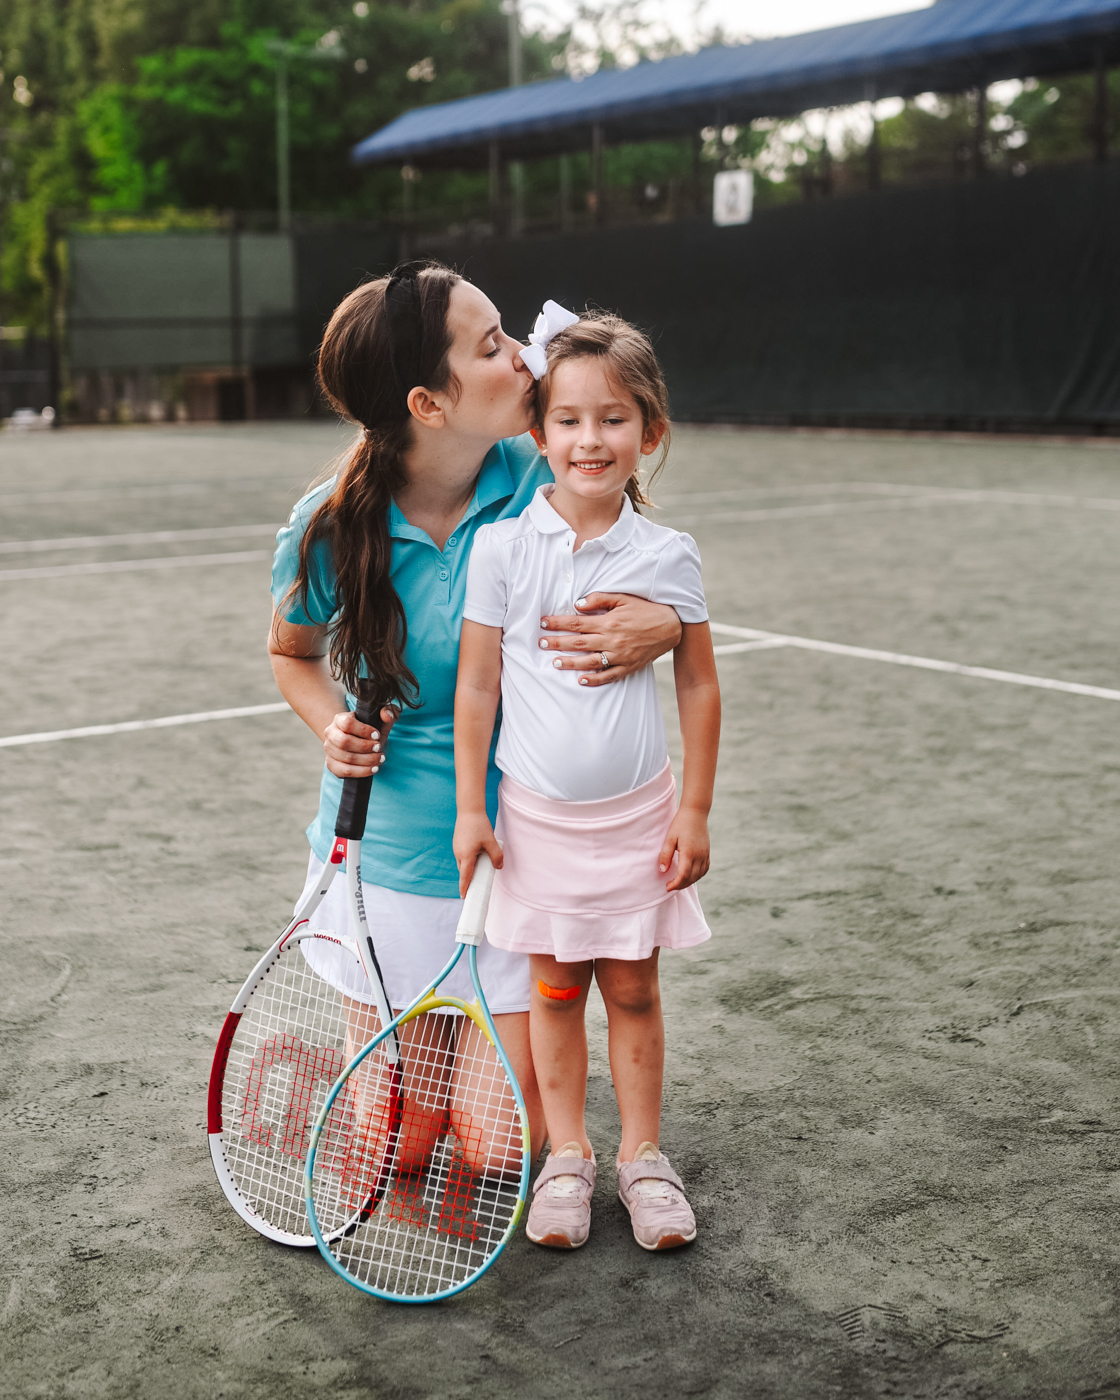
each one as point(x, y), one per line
point(328, 47)
point(516, 170)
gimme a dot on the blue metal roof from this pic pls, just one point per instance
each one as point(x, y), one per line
point(953, 45)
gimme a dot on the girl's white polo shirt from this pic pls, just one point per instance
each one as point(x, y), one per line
point(567, 741)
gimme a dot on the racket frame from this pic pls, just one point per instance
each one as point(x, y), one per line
point(339, 857)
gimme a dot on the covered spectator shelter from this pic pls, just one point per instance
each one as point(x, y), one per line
point(953, 46)
point(989, 303)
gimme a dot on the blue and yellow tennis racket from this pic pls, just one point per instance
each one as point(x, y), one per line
point(429, 1187)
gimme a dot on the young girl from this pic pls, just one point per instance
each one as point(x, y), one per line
point(599, 863)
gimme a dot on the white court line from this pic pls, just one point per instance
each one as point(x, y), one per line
point(127, 566)
point(889, 502)
point(890, 488)
point(167, 722)
point(215, 532)
point(116, 490)
point(732, 648)
point(741, 517)
point(924, 663)
point(754, 640)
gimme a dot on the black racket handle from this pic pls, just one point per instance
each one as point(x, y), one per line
point(352, 809)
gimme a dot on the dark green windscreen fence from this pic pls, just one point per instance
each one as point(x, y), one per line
point(991, 302)
point(984, 303)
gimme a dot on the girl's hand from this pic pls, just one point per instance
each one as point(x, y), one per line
point(688, 836)
point(473, 833)
point(356, 750)
point(632, 631)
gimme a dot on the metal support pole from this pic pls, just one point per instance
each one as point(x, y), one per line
point(236, 353)
point(874, 157)
point(980, 134)
point(283, 142)
point(515, 71)
point(597, 173)
point(496, 186)
point(1100, 105)
point(55, 333)
point(516, 171)
point(565, 194)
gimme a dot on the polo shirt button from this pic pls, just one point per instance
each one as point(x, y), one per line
point(444, 574)
point(452, 542)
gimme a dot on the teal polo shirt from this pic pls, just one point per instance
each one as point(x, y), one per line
point(407, 841)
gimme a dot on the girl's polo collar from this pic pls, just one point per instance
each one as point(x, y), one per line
point(549, 522)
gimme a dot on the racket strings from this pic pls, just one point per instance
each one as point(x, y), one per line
point(443, 1193)
point(289, 1048)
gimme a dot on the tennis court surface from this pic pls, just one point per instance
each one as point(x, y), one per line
point(892, 1074)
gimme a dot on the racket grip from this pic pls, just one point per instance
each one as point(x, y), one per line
point(354, 803)
point(472, 919)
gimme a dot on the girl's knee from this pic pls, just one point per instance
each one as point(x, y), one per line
point(558, 985)
point(631, 988)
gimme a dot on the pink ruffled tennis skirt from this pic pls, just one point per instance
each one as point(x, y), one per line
point(580, 879)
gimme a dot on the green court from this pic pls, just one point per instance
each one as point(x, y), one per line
point(892, 1077)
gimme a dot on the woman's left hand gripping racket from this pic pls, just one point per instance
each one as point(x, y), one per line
point(446, 1190)
point(288, 1036)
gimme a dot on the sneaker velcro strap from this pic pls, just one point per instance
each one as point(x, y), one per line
point(566, 1166)
point(629, 1172)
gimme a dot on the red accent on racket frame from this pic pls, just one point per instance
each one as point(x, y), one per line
point(218, 1073)
point(366, 1161)
point(338, 851)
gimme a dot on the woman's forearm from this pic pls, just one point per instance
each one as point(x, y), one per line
point(302, 669)
point(307, 685)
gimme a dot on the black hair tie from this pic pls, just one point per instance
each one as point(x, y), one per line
point(405, 323)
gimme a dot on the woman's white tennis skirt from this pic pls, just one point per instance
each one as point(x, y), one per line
point(414, 935)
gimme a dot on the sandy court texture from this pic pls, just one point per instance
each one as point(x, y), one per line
point(892, 1073)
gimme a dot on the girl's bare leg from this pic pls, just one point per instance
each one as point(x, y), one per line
point(559, 1043)
point(483, 1115)
point(637, 1046)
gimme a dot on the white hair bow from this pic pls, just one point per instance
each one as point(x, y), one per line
point(552, 320)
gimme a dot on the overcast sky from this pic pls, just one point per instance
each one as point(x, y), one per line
point(757, 18)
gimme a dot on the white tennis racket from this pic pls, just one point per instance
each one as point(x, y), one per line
point(287, 1038)
point(446, 1171)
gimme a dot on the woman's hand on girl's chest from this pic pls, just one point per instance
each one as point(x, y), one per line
point(633, 632)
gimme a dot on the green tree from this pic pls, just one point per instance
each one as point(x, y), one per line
point(155, 104)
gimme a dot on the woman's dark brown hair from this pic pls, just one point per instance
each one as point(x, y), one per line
point(386, 338)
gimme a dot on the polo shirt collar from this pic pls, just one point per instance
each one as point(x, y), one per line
point(495, 483)
point(549, 522)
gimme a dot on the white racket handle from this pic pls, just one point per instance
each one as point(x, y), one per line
point(472, 919)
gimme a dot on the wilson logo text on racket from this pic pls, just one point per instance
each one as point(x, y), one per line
point(299, 1068)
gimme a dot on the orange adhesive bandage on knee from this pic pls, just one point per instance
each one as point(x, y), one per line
point(558, 993)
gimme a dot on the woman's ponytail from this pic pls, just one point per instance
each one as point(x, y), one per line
point(356, 373)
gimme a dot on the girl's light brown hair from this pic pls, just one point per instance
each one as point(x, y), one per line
point(630, 364)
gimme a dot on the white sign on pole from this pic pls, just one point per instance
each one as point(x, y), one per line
point(733, 200)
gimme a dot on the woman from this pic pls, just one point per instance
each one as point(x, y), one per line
point(369, 580)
